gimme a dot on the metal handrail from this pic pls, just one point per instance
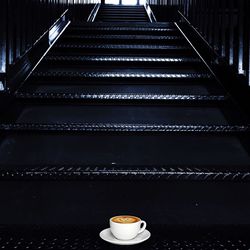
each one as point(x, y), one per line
point(149, 12)
point(223, 24)
point(93, 13)
point(23, 24)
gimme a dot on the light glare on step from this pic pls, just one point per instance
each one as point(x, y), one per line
point(125, 2)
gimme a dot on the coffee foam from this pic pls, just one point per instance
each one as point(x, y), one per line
point(125, 219)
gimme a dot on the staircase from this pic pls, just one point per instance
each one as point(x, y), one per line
point(124, 118)
point(122, 13)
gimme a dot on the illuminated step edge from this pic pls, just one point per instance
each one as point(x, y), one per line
point(114, 96)
point(112, 28)
point(121, 75)
point(119, 127)
point(122, 59)
point(195, 173)
point(121, 46)
point(122, 37)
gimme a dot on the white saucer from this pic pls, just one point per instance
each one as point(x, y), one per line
point(108, 236)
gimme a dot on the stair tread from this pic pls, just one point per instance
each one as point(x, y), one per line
point(125, 97)
point(38, 127)
point(122, 28)
point(125, 19)
point(93, 25)
point(95, 74)
point(122, 13)
point(124, 37)
point(50, 90)
point(122, 46)
point(187, 173)
point(142, 59)
point(132, 20)
point(83, 237)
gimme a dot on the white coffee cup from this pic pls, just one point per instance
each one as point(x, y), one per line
point(126, 230)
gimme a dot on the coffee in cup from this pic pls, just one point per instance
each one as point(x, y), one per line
point(126, 227)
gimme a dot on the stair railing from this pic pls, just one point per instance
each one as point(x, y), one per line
point(27, 24)
point(93, 13)
point(150, 13)
point(224, 24)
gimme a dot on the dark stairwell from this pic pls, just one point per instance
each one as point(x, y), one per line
point(130, 112)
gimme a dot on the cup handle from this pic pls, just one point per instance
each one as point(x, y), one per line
point(143, 227)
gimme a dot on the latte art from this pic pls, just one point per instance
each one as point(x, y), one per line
point(125, 219)
point(126, 227)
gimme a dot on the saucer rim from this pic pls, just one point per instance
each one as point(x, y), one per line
point(124, 242)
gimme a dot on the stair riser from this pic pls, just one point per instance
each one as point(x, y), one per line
point(111, 149)
point(116, 80)
point(76, 113)
point(122, 51)
point(88, 203)
point(123, 19)
point(80, 40)
point(44, 89)
point(102, 16)
point(121, 14)
point(189, 67)
point(125, 102)
point(122, 32)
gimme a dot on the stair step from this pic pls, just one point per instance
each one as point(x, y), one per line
point(117, 149)
point(122, 15)
point(125, 97)
point(109, 127)
point(126, 14)
point(103, 15)
point(123, 12)
point(81, 77)
point(141, 114)
point(82, 25)
point(111, 28)
point(122, 30)
point(118, 16)
point(121, 38)
point(83, 237)
point(188, 173)
point(127, 75)
point(122, 48)
point(120, 20)
point(187, 64)
point(125, 37)
point(57, 82)
point(122, 59)
point(36, 89)
point(60, 228)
